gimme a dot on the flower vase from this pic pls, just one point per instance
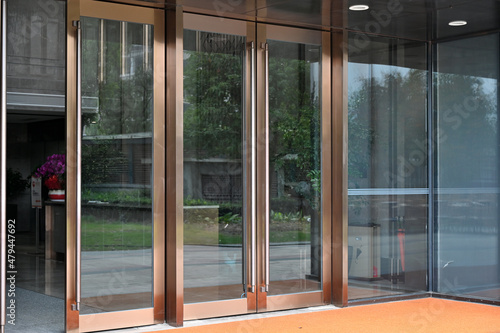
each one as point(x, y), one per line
point(57, 195)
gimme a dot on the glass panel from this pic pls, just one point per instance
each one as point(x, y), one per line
point(36, 58)
point(117, 90)
point(213, 166)
point(387, 167)
point(467, 155)
point(295, 167)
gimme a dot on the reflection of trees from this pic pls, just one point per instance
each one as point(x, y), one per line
point(213, 117)
point(386, 118)
point(125, 105)
point(117, 82)
point(360, 133)
point(294, 118)
point(387, 129)
point(467, 130)
point(213, 114)
point(104, 162)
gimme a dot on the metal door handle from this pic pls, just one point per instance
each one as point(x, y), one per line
point(265, 46)
point(253, 169)
point(78, 257)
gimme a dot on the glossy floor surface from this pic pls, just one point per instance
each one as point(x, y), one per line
point(38, 294)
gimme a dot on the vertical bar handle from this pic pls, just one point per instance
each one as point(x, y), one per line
point(265, 46)
point(78, 257)
point(3, 165)
point(253, 169)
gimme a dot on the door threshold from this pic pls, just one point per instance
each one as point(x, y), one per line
point(220, 320)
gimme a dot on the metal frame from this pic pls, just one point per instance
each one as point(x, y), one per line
point(339, 169)
point(159, 174)
point(420, 295)
point(326, 186)
point(141, 3)
point(174, 169)
point(383, 299)
point(85, 323)
point(464, 298)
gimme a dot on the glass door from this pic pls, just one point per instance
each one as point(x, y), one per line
point(119, 193)
point(293, 115)
point(254, 115)
point(218, 153)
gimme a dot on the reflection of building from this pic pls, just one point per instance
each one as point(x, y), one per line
point(323, 159)
point(215, 180)
point(124, 159)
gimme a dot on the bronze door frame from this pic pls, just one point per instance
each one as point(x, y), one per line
point(94, 322)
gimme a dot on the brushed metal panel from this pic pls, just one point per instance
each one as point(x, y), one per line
point(174, 176)
point(293, 301)
point(111, 11)
point(215, 309)
point(339, 169)
point(214, 24)
point(159, 168)
point(113, 320)
point(326, 161)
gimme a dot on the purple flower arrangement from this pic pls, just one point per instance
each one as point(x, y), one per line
point(52, 171)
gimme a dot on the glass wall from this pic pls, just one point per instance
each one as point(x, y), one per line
point(387, 175)
point(467, 154)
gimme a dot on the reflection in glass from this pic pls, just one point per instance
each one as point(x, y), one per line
point(467, 196)
point(213, 155)
point(387, 168)
point(295, 167)
point(117, 87)
point(36, 116)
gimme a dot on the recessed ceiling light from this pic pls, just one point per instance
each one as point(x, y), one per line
point(359, 7)
point(457, 23)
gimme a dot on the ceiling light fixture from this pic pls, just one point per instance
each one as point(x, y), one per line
point(359, 7)
point(457, 23)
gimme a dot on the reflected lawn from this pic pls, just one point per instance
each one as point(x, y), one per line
point(101, 235)
point(231, 234)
